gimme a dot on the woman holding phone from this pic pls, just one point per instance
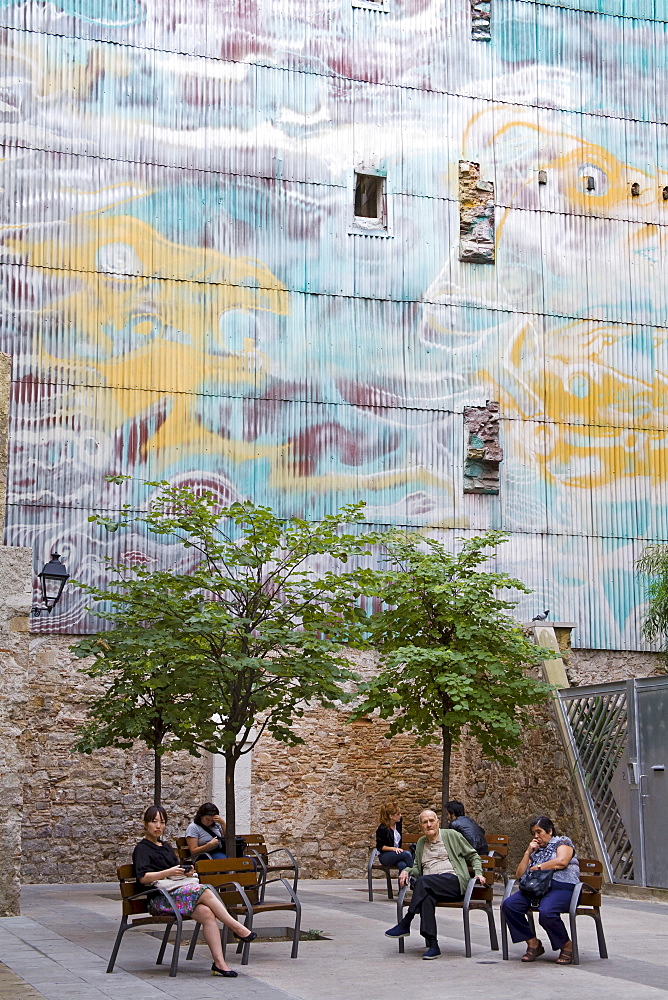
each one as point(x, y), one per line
point(155, 863)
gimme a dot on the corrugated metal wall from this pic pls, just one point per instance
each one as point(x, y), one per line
point(183, 299)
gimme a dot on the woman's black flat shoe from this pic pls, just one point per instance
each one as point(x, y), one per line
point(228, 973)
point(248, 939)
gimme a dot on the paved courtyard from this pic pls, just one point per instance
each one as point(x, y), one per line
point(59, 948)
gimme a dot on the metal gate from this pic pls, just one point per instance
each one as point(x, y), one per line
point(619, 737)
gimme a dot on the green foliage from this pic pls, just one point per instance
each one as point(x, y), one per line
point(452, 656)
point(654, 563)
point(251, 633)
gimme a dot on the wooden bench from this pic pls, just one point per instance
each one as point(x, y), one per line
point(183, 851)
point(498, 845)
point(256, 847)
point(136, 914)
point(374, 865)
point(585, 902)
point(241, 888)
point(476, 897)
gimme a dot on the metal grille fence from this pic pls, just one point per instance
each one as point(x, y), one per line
point(598, 725)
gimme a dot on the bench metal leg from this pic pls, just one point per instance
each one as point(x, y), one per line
point(298, 922)
point(245, 945)
point(400, 915)
point(602, 947)
point(467, 931)
point(390, 894)
point(574, 939)
point(174, 967)
point(163, 945)
point(117, 943)
point(193, 941)
point(493, 939)
point(369, 878)
point(504, 937)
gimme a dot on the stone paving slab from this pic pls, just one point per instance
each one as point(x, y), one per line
point(61, 945)
point(12, 987)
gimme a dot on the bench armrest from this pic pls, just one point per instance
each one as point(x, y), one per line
point(472, 882)
point(246, 901)
point(163, 892)
point(277, 850)
point(508, 890)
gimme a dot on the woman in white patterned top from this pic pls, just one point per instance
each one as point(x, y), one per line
point(546, 852)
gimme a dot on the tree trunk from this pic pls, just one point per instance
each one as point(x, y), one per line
point(445, 774)
point(157, 778)
point(230, 806)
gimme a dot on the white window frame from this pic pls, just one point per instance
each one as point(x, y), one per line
point(382, 6)
point(359, 225)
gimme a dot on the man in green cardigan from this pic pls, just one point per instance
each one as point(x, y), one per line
point(441, 871)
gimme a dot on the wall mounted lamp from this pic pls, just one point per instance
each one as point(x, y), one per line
point(53, 578)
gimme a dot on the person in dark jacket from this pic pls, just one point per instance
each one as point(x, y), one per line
point(388, 838)
point(459, 821)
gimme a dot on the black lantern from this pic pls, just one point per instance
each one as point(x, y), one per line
point(53, 578)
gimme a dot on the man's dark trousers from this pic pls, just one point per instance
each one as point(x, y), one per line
point(430, 890)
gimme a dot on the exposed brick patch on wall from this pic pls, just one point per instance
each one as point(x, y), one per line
point(481, 20)
point(484, 454)
point(476, 215)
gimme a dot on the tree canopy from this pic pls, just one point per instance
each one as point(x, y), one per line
point(654, 563)
point(212, 658)
point(452, 657)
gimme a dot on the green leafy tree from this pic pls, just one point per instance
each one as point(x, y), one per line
point(453, 659)
point(654, 563)
point(211, 658)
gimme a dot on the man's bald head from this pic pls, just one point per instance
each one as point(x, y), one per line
point(429, 824)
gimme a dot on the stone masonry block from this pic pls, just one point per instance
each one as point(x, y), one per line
point(476, 216)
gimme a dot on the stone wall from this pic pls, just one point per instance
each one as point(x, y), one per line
point(601, 666)
point(82, 814)
point(16, 576)
point(321, 799)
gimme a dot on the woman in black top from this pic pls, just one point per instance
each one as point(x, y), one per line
point(388, 839)
point(153, 861)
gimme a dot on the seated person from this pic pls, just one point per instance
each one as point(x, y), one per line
point(388, 838)
point(546, 852)
point(156, 864)
point(442, 859)
point(206, 833)
point(468, 827)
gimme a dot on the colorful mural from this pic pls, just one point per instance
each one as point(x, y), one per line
point(183, 296)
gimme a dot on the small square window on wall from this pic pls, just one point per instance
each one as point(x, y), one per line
point(370, 203)
point(483, 451)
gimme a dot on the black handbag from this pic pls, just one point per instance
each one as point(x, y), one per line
point(535, 884)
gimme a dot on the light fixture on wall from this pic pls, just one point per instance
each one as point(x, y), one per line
point(53, 578)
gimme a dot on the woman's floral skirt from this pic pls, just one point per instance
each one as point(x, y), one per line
point(185, 900)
